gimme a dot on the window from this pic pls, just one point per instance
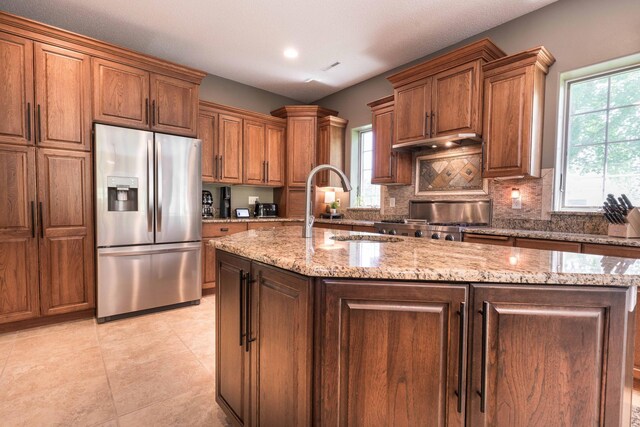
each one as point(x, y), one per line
point(601, 139)
point(367, 194)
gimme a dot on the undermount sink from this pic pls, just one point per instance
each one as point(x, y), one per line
point(367, 238)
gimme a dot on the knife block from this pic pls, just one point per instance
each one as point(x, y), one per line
point(630, 230)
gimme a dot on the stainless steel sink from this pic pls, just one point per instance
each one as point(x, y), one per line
point(367, 238)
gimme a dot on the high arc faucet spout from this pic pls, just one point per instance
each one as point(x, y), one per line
point(308, 215)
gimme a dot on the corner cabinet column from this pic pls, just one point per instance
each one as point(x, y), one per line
point(550, 356)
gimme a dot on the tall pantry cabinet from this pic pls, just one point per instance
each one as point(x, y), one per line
point(46, 242)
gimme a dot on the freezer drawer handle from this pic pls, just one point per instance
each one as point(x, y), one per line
point(161, 251)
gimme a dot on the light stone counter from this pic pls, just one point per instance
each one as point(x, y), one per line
point(300, 220)
point(424, 259)
point(555, 235)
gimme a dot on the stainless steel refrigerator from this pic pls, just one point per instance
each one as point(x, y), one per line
point(148, 220)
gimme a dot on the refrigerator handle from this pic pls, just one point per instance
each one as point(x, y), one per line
point(159, 187)
point(149, 186)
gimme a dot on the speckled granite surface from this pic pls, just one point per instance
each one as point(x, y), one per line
point(324, 221)
point(556, 235)
point(425, 259)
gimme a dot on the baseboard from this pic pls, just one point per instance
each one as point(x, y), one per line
point(208, 291)
point(47, 320)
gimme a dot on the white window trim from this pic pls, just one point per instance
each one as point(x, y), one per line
point(356, 174)
point(566, 78)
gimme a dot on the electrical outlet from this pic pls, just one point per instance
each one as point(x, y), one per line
point(516, 203)
point(253, 200)
point(392, 202)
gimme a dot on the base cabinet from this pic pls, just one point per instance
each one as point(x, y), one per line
point(542, 356)
point(391, 354)
point(261, 311)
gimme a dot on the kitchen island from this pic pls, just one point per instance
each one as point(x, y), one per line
point(359, 329)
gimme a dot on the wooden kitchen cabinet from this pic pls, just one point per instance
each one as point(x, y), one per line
point(330, 149)
point(548, 245)
point(230, 149)
point(174, 105)
point(62, 98)
point(211, 230)
point(18, 234)
point(392, 355)
point(129, 96)
point(275, 155)
point(540, 354)
point(232, 360)
point(389, 167)
point(332, 226)
point(513, 113)
point(16, 90)
point(442, 96)
point(264, 151)
point(66, 239)
point(301, 146)
point(208, 132)
point(488, 239)
point(120, 94)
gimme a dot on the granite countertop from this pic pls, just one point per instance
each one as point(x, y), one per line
point(410, 258)
point(319, 220)
point(555, 235)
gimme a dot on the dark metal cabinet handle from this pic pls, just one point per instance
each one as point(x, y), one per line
point(153, 113)
point(221, 166)
point(427, 131)
point(264, 171)
point(483, 373)
point(461, 340)
point(225, 229)
point(39, 125)
point(248, 340)
point(40, 220)
point(33, 220)
point(146, 111)
point(267, 171)
point(432, 131)
point(242, 304)
point(28, 121)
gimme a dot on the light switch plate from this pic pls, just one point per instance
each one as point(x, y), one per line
point(392, 202)
point(253, 200)
point(516, 203)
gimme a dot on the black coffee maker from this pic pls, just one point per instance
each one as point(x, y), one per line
point(225, 202)
point(207, 204)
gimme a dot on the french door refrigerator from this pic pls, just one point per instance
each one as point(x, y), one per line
point(148, 220)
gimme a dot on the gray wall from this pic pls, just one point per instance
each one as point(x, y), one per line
point(577, 32)
point(228, 92)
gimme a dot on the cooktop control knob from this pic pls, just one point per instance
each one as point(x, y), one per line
point(393, 232)
point(435, 236)
point(419, 233)
point(448, 237)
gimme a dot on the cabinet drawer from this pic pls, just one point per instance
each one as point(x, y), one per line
point(488, 239)
point(611, 250)
point(293, 223)
point(332, 226)
point(365, 228)
point(222, 229)
point(268, 224)
point(548, 245)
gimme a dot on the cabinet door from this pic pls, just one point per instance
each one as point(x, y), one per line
point(548, 245)
point(255, 164)
point(507, 104)
point(413, 111)
point(456, 101)
point(488, 239)
point(323, 148)
point(18, 242)
point(66, 241)
point(548, 356)
point(63, 98)
point(174, 105)
point(301, 146)
point(16, 90)
point(275, 155)
point(282, 318)
point(208, 265)
point(391, 354)
point(120, 94)
point(208, 133)
point(232, 361)
point(230, 149)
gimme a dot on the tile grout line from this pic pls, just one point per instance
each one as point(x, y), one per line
point(106, 374)
point(6, 360)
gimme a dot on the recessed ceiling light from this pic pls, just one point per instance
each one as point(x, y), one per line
point(290, 53)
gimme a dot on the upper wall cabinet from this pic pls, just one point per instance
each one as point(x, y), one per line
point(129, 96)
point(513, 113)
point(330, 149)
point(389, 167)
point(443, 96)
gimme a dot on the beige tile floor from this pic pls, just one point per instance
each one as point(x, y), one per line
point(151, 370)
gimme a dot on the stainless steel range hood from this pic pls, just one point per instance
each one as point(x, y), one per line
point(448, 141)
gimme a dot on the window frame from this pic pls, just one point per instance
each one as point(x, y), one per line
point(604, 69)
point(360, 132)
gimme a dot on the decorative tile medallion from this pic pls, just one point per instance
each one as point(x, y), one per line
point(451, 173)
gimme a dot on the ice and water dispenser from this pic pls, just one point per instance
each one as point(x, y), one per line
point(123, 193)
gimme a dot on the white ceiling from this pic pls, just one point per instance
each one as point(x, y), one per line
point(243, 40)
